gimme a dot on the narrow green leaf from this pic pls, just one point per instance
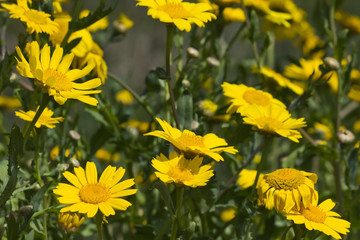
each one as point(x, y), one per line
point(185, 110)
point(159, 185)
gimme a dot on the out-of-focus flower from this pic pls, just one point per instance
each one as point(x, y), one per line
point(331, 63)
point(182, 171)
point(190, 144)
point(62, 19)
point(141, 126)
point(70, 222)
point(242, 96)
point(345, 136)
point(279, 79)
point(208, 107)
point(35, 20)
point(85, 45)
point(306, 68)
point(227, 214)
point(182, 14)
point(55, 152)
point(101, 24)
point(86, 194)
point(193, 52)
point(9, 103)
point(124, 97)
point(324, 129)
point(233, 15)
point(213, 61)
point(286, 189)
point(356, 127)
point(123, 23)
point(45, 118)
point(105, 156)
point(319, 217)
point(273, 120)
point(247, 178)
point(351, 22)
point(53, 75)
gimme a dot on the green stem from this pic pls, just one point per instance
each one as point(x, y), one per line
point(45, 220)
point(232, 41)
point(44, 103)
point(137, 97)
point(283, 236)
point(332, 22)
point(177, 220)
point(264, 156)
point(169, 35)
point(99, 219)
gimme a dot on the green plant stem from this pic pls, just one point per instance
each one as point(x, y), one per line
point(45, 217)
point(165, 227)
point(283, 236)
point(169, 38)
point(264, 156)
point(332, 22)
point(99, 218)
point(177, 220)
point(232, 41)
point(135, 95)
point(44, 103)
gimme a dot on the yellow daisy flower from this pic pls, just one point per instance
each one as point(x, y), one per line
point(101, 24)
point(319, 217)
point(228, 214)
point(306, 68)
point(62, 19)
point(182, 14)
point(273, 120)
point(279, 79)
point(85, 45)
point(190, 144)
point(243, 96)
point(9, 103)
point(70, 222)
point(35, 20)
point(87, 195)
point(106, 156)
point(182, 171)
point(247, 178)
point(123, 23)
point(286, 189)
point(233, 15)
point(124, 97)
point(56, 151)
point(52, 74)
point(45, 118)
point(208, 107)
point(351, 22)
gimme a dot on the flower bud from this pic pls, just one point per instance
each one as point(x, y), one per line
point(61, 167)
point(213, 61)
point(331, 63)
point(74, 162)
point(70, 222)
point(185, 83)
point(193, 52)
point(74, 135)
point(345, 136)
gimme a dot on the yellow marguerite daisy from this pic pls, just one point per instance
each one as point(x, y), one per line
point(286, 189)
point(52, 74)
point(125, 97)
point(243, 96)
point(306, 68)
point(182, 14)
point(247, 178)
point(106, 156)
point(45, 118)
point(101, 24)
point(56, 151)
point(9, 103)
point(70, 222)
point(182, 171)
point(273, 120)
point(319, 217)
point(190, 144)
point(280, 79)
point(87, 195)
point(62, 19)
point(228, 214)
point(351, 22)
point(35, 20)
point(208, 107)
point(123, 23)
point(233, 15)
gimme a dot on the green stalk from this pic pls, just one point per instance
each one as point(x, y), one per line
point(169, 35)
point(177, 220)
point(99, 218)
point(44, 103)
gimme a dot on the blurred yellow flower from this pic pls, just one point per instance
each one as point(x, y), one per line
point(123, 23)
point(286, 189)
point(124, 97)
point(319, 217)
point(242, 96)
point(279, 79)
point(139, 125)
point(233, 15)
point(86, 194)
point(35, 20)
point(105, 156)
point(182, 14)
point(85, 45)
point(101, 24)
point(208, 107)
point(55, 152)
point(273, 120)
point(227, 214)
point(9, 103)
point(45, 118)
point(356, 126)
point(70, 222)
point(306, 68)
point(354, 92)
point(324, 129)
point(190, 144)
point(182, 171)
point(62, 19)
point(247, 178)
point(52, 74)
point(351, 22)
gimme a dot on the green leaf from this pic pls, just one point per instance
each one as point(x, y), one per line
point(12, 226)
point(159, 185)
point(352, 163)
point(185, 110)
point(161, 74)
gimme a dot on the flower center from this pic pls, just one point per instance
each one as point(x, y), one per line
point(180, 174)
point(94, 193)
point(56, 80)
point(256, 97)
point(313, 214)
point(36, 16)
point(286, 179)
point(187, 139)
point(174, 10)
